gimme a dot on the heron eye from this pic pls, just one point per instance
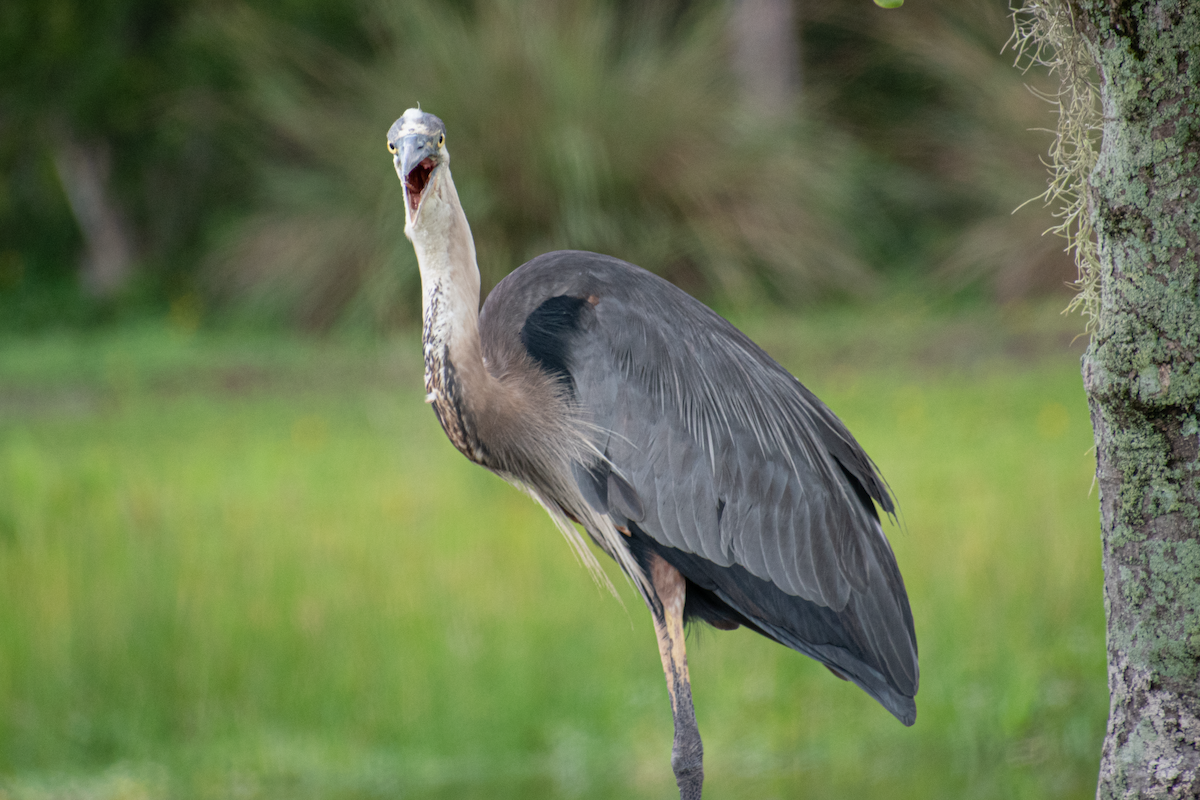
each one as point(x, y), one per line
point(441, 139)
point(391, 148)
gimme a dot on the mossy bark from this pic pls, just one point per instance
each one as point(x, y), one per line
point(1143, 384)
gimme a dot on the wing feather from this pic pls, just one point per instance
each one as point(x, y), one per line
point(729, 459)
point(727, 422)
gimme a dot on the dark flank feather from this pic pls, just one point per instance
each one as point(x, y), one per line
point(546, 333)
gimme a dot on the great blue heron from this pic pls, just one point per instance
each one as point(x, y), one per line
point(724, 489)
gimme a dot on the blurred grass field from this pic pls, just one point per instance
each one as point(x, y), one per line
point(252, 567)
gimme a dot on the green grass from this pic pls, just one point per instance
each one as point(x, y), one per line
point(254, 568)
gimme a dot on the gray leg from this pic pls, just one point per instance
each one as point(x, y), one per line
point(687, 753)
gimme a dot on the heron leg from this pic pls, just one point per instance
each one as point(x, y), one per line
point(687, 752)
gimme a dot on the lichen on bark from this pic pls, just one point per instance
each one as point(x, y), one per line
point(1137, 247)
point(1143, 386)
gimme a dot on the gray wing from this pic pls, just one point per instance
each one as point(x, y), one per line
point(731, 457)
point(717, 451)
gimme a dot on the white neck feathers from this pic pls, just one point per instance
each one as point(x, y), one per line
point(445, 251)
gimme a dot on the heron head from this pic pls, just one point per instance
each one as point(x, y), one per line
point(417, 142)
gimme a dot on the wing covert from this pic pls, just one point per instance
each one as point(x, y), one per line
point(696, 417)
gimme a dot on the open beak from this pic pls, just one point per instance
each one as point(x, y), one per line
point(416, 159)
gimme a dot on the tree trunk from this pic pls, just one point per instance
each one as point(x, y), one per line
point(83, 169)
point(766, 55)
point(1143, 387)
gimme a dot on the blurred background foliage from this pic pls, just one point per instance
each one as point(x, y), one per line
point(216, 159)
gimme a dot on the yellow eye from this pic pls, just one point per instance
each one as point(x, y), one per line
point(391, 148)
point(441, 139)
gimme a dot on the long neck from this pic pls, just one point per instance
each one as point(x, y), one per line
point(454, 369)
point(519, 417)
